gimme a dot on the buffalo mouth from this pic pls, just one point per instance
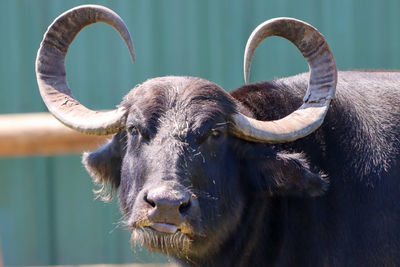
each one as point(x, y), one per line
point(163, 237)
point(164, 228)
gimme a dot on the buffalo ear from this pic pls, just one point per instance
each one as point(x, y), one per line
point(290, 174)
point(104, 165)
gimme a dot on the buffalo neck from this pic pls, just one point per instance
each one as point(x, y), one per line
point(258, 238)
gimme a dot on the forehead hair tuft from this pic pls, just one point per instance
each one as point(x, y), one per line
point(195, 99)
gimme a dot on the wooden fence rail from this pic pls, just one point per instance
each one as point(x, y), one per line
point(122, 265)
point(41, 134)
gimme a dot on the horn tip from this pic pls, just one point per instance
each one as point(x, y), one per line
point(132, 53)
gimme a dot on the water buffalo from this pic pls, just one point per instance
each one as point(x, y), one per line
point(273, 174)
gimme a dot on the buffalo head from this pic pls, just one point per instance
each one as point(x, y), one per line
point(186, 156)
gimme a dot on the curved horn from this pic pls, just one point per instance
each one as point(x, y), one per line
point(321, 87)
point(51, 75)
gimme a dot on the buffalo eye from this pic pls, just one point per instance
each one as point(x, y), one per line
point(215, 135)
point(133, 131)
point(137, 131)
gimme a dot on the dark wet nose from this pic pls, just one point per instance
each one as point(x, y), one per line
point(168, 205)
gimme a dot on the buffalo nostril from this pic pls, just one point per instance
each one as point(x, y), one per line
point(149, 201)
point(168, 201)
point(185, 206)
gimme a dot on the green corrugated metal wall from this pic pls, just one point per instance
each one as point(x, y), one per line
point(48, 214)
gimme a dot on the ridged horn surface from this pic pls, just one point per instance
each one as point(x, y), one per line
point(51, 74)
point(321, 87)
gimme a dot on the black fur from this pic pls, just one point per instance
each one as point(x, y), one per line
point(329, 199)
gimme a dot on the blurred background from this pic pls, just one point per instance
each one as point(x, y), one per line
point(48, 214)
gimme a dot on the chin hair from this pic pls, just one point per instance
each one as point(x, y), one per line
point(177, 244)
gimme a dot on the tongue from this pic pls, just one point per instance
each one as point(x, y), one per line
point(164, 227)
